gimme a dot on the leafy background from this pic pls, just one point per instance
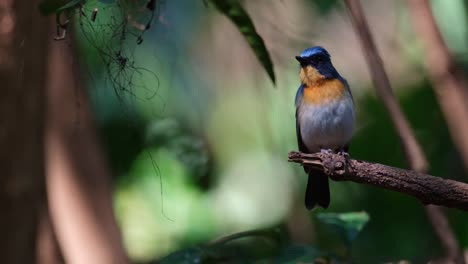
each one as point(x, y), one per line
point(205, 156)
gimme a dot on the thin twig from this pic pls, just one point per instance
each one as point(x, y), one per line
point(449, 86)
point(411, 148)
point(426, 188)
point(414, 154)
point(450, 244)
point(266, 233)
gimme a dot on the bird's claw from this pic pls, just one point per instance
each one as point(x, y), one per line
point(326, 151)
point(343, 153)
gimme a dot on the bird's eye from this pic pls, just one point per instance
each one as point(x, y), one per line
point(317, 58)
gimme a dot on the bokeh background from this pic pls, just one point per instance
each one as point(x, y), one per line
point(198, 139)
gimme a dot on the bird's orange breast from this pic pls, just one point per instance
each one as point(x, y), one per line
point(324, 91)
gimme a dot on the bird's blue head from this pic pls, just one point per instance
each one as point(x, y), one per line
point(319, 59)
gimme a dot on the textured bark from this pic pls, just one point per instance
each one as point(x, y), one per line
point(47, 250)
point(428, 189)
point(23, 34)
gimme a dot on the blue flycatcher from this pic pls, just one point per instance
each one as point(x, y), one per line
point(324, 117)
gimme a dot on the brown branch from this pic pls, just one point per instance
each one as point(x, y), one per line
point(23, 56)
point(265, 233)
point(441, 224)
point(414, 154)
point(411, 148)
point(449, 85)
point(428, 189)
point(78, 179)
point(47, 247)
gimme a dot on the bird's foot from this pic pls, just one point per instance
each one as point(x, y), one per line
point(326, 151)
point(343, 153)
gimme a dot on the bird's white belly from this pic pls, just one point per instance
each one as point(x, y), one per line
point(326, 126)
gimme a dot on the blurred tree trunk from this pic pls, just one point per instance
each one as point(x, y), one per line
point(78, 178)
point(23, 53)
point(450, 84)
point(47, 248)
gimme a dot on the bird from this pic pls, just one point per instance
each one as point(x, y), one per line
point(325, 117)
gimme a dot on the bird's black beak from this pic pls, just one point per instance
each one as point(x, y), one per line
point(301, 60)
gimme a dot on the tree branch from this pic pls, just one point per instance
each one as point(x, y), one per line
point(414, 154)
point(428, 189)
point(449, 84)
point(78, 179)
point(23, 55)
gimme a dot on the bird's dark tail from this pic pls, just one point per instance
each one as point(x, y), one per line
point(317, 192)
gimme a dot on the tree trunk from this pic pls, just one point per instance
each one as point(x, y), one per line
point(23, 53)
point(78, 178)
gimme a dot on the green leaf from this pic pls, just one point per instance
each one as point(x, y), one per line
point(270, 233)
point(70, 5)
point(234, 11)
point(348, 225)
point(48, 7)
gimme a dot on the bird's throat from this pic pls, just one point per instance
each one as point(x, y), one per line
point(310, 76)
point(325, 91)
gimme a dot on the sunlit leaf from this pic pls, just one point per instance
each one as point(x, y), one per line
point(237, 14)
point(347, 225)
point(156, 204)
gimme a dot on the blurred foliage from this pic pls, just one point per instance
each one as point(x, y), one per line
point(191, 150)
point(348, 225)
point(234, 11)
point(206, 155)
point(290, 254)
point(301, 254)
point(448, 14)
point(250, 250)
point(148, 202)
point(385, 207)
point(325, 6)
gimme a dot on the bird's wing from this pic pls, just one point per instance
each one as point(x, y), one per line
point(345, 82)
point(300, 143)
